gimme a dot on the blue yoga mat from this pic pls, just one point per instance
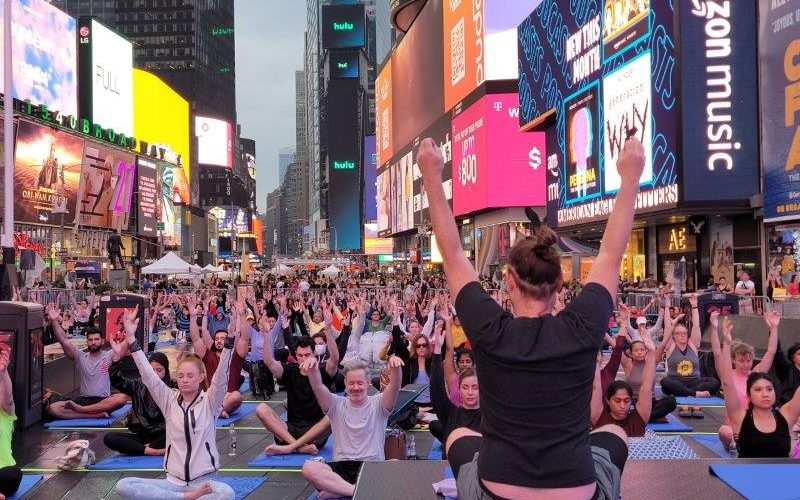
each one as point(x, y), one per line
point(28, 482)
point(712, 442)
point(437, 451)
point(293, 459)
point(673, 425)
point(712, 401)
point(760, 481)
point(245, 386)
point(243, 411)
point(129, 462)
point(90, 422)
point(448, 473)
point(242, 485)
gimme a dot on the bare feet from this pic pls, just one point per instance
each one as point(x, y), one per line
point(224, 414)
point(310, 449)
point(702, 394)
point(205, 489)
point(71, 405)
point(154, 452)
point(276, 449)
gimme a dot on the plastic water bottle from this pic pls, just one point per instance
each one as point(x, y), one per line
point(411, 448)
point(733, 449)
point(231, 441)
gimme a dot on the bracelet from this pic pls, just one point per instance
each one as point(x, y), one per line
point(134, 346)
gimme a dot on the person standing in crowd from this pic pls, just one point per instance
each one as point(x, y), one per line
point(746, 290)
point(358, 424)
point(535, 359)
point(10, 474)
point(192, 460)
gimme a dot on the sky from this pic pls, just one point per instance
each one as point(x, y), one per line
point(269, 48)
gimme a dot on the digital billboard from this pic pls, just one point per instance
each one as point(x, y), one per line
point(344, 165)
point(488, 150)
point(374, 245)
point(344, 64)
point(161, 117)
point(440, 132)
point(44, 51)
point(106, 187)
point(779, 65)
point(370, 179)
point(106, 74)
point(343, 26)
point(383, 115)
point(624, 24)
point(169, 212)
point(214, 141)
point(587, 103)
point(384, 192)
point(148, 199)
point(227, 216)
point(47, 171)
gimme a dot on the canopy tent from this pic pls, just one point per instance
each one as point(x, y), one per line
point(211, 269)
point(330, 271)
point(281, 269)
point(169, 264)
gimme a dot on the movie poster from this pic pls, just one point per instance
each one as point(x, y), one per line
point(47, 172)
point(384, 203)
point(627, 108)
point(721, 249)
point(624, 23)
point(583, 145)
point(106, 187)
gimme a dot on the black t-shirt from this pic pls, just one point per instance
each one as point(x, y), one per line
point(535, 386)
point(302, 406)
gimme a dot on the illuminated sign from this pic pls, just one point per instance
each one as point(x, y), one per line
point(214, 141)
point(343, 165)
point(344, 64)
point(148, 199)
point(676, 239)
point(221, 31)
point(343, 26)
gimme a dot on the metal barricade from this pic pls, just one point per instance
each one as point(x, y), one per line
point(63, 297)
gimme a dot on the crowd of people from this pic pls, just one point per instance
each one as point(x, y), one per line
point(515, 382)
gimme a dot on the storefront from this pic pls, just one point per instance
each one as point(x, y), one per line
point(677, 256)
point(633, 266)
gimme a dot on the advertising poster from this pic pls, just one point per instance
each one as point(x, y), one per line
point(214, 142)
point(44, 51)
point(405, 192)
point(343, 26)
point(47, 171)
point(470, 174)
point(582, 158)
point(114, 327)
point(464, 55)
point(627, 106)
point(384, 202)
point(169, 214)
point(441, 133)
point(383, 114)
point(721, 249)
point(370, 179)
point(106, 187)
point(148, 199)
point(779, 53)
point(624, 23)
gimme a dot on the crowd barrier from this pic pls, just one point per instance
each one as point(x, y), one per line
point(748, 306)
point(64, 297)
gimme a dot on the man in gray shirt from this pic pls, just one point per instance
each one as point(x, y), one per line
point(358, 425)
point(95, 399)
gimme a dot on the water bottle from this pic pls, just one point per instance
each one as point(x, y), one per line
point(733, 449)
point(411, 448)
point(231, 441)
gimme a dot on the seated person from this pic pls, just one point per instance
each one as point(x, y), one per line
point(358, 424)
point(95, 399)
point(10, 474)
point(306, 429)
point(148, 431)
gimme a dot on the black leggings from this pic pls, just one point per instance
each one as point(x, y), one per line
point(662, 407)
point(676, 385)
point(615, 446)
point(10, 477)
point(437, 429)
point(462, 451)
point(128, 443)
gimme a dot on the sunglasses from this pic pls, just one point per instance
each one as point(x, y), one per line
point(422, 345)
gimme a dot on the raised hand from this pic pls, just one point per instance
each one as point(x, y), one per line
point(772, 319)
point(430, 159)
point(53, 313)
point(648, 343)
point(131, 322)
point(693, 299)
point(120, 348)
point(713, 318)
point(395, 362)
point(630, 163)
point(727, 329)
point(308, 366)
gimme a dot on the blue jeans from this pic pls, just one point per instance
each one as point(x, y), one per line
point(161, 489)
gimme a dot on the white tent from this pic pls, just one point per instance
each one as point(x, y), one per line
point(168, 264)
point(281, 269)
point(330, 271)
point(211, 269)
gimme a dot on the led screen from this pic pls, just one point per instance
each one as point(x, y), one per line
point(343, 26)
point(370, 179)
point(106, 71)
point(383, 115)
point(344, 64)
point(44, 51)
point(214, 142)
point(227, 215)
point(106, 187)
point(148, 197)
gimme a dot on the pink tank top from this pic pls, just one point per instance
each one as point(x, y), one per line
point(740, 384)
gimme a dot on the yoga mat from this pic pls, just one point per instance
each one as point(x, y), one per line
point(673, 425)
point(712, 442)
point(129, 462)
point(660, 448)
point(242, 485)
point(89, 422)
point(315, 496)
point(760, 481)
point(437, 451)
point(28, 482)
point(712, 401)
point(245, 386)
point(243, 411)
point(293, 459)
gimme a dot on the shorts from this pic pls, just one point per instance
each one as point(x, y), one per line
point(296, 430)
point(609, 453)
point(86, 400)
point(347, 469)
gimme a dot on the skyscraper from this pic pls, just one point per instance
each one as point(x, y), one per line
point(313, 75)
point(285, 157)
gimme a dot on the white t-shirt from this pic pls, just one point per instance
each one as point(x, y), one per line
point(745, 285)
point(358, 432)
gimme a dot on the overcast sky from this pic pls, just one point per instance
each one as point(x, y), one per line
point(269, 48)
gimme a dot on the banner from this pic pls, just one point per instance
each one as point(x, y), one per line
point(721, 233)
point(47, 171)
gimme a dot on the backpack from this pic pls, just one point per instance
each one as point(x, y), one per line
point(77, 455)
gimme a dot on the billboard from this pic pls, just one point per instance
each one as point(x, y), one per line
point(587, 103)
point(44, 51)
point(106, 74)
point(148, 199)
point(169, 212)
point(779, 53)
point(227, 215)
point(161, 117)
point(374, 245)
point(370, 179)
point(383, 114)
point(488, 150)
point(214, 141)
point(343, 26)
point(344, 64)
point(46, 173)
point(344, 165)
point(106, 187)
point(384, 193)
point(624, 24)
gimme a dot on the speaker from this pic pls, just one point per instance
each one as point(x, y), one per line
point(9, 256)
point(27, 260)
point(8, 281)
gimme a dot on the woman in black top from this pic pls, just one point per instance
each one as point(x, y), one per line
point(760, 430)
point(536, 369)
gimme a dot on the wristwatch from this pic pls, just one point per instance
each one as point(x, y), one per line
point(134, 346)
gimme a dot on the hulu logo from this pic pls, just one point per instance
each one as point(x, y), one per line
point(344, 165)
point(342, 65)
point(345, 26)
